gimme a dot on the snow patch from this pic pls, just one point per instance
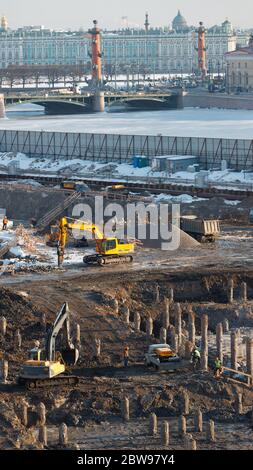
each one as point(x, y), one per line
point(183, 198)
point(231, 203)
point(17, 252)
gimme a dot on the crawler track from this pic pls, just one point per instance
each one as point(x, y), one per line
point(35, 384)
point(102, 260)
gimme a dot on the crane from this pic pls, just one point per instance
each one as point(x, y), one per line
point(108, 250)
point(45, 366)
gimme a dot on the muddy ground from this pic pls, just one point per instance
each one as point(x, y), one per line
point(92, 409)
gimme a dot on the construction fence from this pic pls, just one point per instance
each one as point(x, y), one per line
point(106, 148)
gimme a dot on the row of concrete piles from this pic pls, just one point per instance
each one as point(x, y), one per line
point(174, 333)
point(42, 435)
point(231, 292)
point(165, 434)
point(199, 426)
point(168, 332)
point(17, 338)
point(152, 429)
point(182, 430)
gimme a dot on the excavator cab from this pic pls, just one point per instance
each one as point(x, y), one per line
point(106, 246)
point(114, 246)
point(36, 354)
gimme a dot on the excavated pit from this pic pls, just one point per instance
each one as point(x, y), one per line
point(92, 409)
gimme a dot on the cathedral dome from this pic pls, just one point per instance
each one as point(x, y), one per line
point(227, 26)
point(179, 23)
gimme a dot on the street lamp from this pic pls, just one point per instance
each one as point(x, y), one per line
point(227, 79)
point(219, 70)
point(210, 69)
point(115, 77)
point(128, 76)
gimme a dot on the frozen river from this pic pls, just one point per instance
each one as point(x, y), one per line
point(186, 122)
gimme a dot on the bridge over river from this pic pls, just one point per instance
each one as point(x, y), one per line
point(80, 104)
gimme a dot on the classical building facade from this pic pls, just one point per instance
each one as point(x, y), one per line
point(240, 68)
point(160, 50)
point(39, 46)
point(169, 50)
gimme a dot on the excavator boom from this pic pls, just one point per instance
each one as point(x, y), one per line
point(70, 352)
point(46, 366)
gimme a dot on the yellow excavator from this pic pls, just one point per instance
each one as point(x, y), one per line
point(45, 366)
point(108, 250)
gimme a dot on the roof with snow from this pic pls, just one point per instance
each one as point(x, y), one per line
point(244, 51)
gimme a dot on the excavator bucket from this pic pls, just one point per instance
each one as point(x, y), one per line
point(70, 356)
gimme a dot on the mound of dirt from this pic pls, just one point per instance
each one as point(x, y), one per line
point(16, 308)
point(180, 240)
point(20, 314)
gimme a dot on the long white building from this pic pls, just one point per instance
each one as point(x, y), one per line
point(161, 50)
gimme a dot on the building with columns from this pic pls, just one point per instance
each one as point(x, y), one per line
point(240, 68)
point(157, 50)
point(169, 50)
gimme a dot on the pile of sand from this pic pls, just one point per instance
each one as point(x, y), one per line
point(185, 241)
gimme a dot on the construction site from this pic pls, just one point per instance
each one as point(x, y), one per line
point(115, 342)
point(200, 294)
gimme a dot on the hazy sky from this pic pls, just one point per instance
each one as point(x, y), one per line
point(76, 13)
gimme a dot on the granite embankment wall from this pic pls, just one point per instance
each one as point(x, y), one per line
point(216, 100)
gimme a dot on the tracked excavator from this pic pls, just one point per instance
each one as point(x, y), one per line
point(108, 250)
point(45, 367)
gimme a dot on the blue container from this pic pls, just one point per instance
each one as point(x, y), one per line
point(140, 161)
point(143, 162)
point(135, 161)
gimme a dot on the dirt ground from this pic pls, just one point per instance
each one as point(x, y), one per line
point(92, 410)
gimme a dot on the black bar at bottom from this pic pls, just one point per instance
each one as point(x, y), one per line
point(112, 459)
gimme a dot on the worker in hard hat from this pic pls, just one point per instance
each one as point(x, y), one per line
point(126, 356)
point(217, 368)
point(5, 223)
point(60, 255)
point(195, 357)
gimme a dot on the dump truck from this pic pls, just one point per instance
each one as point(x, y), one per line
point(162, 357)
point(204, 231)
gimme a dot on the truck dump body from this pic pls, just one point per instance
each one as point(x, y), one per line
point(200, 228)
point(162, 357)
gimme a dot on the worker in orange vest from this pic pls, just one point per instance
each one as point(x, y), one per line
point(5, 223)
